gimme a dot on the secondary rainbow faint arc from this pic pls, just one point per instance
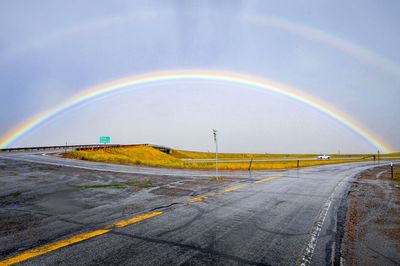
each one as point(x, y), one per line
point(229, 77)
point(294, 27)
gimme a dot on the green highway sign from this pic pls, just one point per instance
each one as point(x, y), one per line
point(105, 139)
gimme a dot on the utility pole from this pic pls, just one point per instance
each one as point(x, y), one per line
point(216, 153)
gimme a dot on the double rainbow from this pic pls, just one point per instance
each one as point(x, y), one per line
point(216, 76)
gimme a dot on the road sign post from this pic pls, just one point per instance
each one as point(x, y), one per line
point(104, 140)
point(216, 153)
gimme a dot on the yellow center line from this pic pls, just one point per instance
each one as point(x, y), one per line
point(231, 189)
point(136, 219)
point(73, 239)
point(199, 198)
point(267, 179)
point(81, 237)
point(203, 197)
point(53, 246)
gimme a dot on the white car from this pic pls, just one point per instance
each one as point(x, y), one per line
point(324, 157)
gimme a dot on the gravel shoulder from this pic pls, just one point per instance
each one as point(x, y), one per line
point(372, 228)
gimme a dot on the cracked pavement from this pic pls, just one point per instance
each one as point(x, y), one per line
point(264, 223)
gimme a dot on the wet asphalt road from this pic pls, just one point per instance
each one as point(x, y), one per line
point(289, 220)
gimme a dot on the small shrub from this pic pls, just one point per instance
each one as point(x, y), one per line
point(15, 194)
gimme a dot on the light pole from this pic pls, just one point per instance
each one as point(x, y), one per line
point(216, 153)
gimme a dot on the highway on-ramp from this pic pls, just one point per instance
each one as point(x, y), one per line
point(54, 212)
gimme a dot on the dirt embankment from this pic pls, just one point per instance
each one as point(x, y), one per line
point(372, 229)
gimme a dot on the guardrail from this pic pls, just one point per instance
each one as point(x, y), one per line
point(83, 147)
point(41, 148)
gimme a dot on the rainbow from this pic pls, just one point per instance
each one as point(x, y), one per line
point(329, 40)
point(192, 75)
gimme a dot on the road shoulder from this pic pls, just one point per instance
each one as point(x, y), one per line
point(372, 227)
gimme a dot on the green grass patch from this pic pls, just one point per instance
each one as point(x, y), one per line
point(132, 183)
point(140, 184)
point(15, 194)
point(114, 186)
point(396, 175)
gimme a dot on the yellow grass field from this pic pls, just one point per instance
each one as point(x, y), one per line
point(148, 156)
point(211, 155)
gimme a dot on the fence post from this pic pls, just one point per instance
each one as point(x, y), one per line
point(379, 153)
point(298, 163)
point(251, 161)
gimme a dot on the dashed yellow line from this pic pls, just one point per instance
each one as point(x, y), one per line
point(74, 239)
point(199, 198)
point(136, 219)
point(51, 247)
point(82, 237)
point(267, 179)
point(204, 197)
point(231, 189)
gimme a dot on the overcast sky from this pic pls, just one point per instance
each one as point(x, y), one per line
point(51, 50)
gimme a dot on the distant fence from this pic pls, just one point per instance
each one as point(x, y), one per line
point(91, 147)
